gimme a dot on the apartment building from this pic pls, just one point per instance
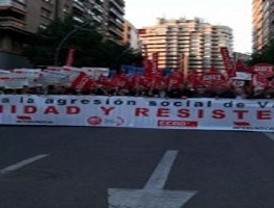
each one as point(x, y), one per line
point(19, 19)
point(263, 23)
point(181, 41)
point(114, 19)
point(131, 36)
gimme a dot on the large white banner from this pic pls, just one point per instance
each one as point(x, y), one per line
point(212, 114)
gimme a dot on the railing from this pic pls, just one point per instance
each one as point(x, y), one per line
point(119, 7)
point(98, 8)
point(7, 3)
point(12, 22)
point(78, 5)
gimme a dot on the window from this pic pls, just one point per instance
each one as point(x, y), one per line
point(45, 12)
point(42, 26)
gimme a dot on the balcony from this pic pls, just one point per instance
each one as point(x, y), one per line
point(78, 5)
point(119, 7)
point(98, 8)
point(114, 12)
point(11, 23)
point(98, 19)
point(14, 5)
point(116, 32)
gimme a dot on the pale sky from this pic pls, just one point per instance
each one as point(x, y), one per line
point(233, 13)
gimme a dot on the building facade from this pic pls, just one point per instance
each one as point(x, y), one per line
point(184, 41)
point(19, 19)
point(114, 19)
point(263, 23)
point(131, 36)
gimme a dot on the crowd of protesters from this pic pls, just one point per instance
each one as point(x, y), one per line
point(177, 92)
point(259, 84)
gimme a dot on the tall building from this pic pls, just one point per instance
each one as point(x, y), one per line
point(131, 36)
point(12, 25)
point(184, 41)
point(114, 18)
point(21, 18)
point(263, 23)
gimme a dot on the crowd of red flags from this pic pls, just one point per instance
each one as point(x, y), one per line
point(260, 76)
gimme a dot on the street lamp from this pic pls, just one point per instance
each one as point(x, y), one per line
point(72, 32)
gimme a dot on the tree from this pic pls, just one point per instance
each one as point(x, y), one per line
point(266, 55)
point(91, 49)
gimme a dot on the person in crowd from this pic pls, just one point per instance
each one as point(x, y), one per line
point(240, 93)
point(99, 90)
point(199, 91)
point(174, 92)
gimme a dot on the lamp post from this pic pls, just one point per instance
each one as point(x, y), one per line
point(71, 33)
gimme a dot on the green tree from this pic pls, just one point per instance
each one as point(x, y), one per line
point(266, 55)
point(91, 49)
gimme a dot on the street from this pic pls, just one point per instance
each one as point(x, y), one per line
point(83, 167)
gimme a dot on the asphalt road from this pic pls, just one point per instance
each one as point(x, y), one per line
point(80, 166)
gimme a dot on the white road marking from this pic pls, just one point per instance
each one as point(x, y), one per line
point(22, 164)
point(153, 195)
point(160, 174)
point(269, 135)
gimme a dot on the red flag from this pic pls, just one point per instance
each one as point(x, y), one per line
point(242, 67)
point(259, 81)
point(145, 56)
point(194, 78)
point(145, 81)
point(228, 63)
point(120, 80)
point(157, 79)
point(70, 57)
point(264, 69)
point(82, 82)
point(148, 67)
point(155, 59)
point(176, 78)
point(135, 80)
point(213, 78)
point(151, 65)
point(177, 73)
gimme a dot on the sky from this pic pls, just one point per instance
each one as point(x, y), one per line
point(236, 14)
